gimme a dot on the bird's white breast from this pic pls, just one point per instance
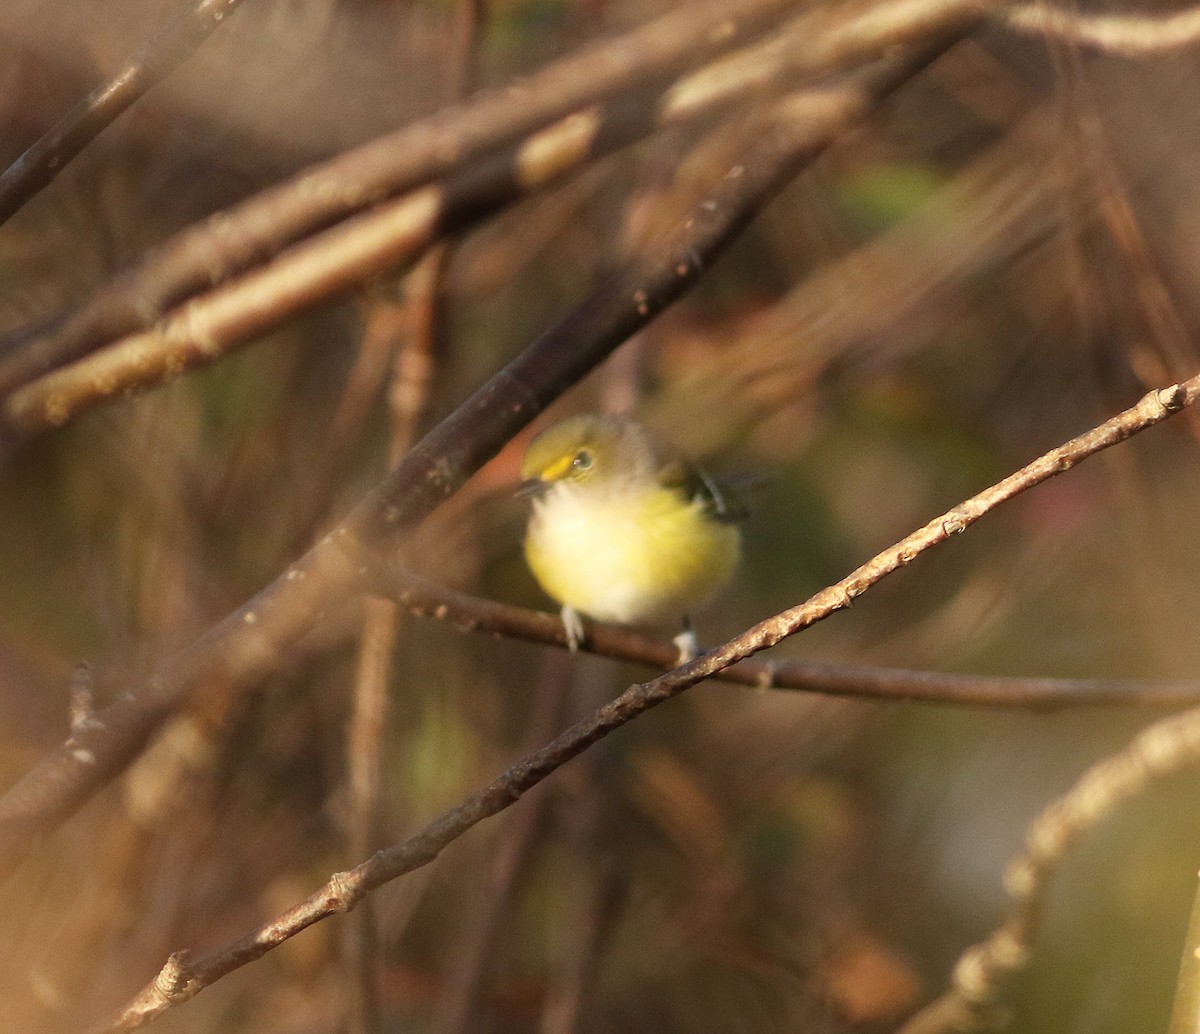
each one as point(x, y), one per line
point(627, 554)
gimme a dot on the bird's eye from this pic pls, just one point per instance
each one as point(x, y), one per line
point(583, 460)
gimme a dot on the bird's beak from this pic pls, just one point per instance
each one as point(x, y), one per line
point(532, 487)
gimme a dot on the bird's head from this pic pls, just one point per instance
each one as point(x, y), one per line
point(586, 450)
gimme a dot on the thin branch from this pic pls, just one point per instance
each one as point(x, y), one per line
point(1127, 35)
point(252, 641)
point(166, 50)
point(415, 365)
point(363, 743)
point(428, 600)
point(571, 990)
point(183, 977)
point(383, 327)
point(463, 72)
point(412, 377)
point(983, 971)
point(1167, 333)
point(514, 847)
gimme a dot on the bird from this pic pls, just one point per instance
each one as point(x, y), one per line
point(623, 530)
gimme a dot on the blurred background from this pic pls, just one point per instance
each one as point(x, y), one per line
point(1004, 255)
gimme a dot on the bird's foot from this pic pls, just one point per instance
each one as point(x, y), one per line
point(573, 626)
point(687, 644)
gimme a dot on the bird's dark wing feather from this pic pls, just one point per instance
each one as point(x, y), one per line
point(721, 503)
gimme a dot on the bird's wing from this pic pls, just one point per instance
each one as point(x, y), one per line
point(696, 483)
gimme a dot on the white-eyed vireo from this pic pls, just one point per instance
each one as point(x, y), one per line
point(620, 530)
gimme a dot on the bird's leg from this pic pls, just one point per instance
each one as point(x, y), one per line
point(573, 625)
point(687, 643)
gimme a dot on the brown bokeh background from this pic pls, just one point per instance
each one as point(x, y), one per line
point(1006, 254)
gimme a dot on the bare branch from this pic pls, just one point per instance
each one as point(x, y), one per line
point(1127, 35)
point(129, 309)
point(364, 737)
point(330, 263)
point(345, 890)
point(339, 259)
point(859, 681)
point(167, 49)
point(513, 851)
point(251, 232)
point(408, 398)
point(982, 972)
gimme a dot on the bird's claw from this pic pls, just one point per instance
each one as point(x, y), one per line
point(573, 626)
point(688, 646)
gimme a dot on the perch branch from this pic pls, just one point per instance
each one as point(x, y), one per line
point(428, 600)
